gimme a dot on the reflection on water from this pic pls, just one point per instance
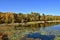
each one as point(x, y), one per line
point(46, 30)
point(38, 35)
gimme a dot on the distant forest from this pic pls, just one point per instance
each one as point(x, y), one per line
point(10, 17)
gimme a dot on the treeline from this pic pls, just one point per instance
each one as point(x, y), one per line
point(10, 17)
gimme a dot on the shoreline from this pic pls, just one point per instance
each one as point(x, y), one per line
point(27, 23)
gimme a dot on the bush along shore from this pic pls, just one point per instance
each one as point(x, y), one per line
point(21, 18)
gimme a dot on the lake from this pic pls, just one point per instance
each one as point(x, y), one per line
point(46, 31)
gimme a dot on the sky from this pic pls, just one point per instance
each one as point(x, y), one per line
point(48, 7)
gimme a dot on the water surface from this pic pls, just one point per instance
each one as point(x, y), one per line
point(46, 30)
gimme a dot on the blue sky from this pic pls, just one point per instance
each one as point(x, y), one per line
point(51, 7)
